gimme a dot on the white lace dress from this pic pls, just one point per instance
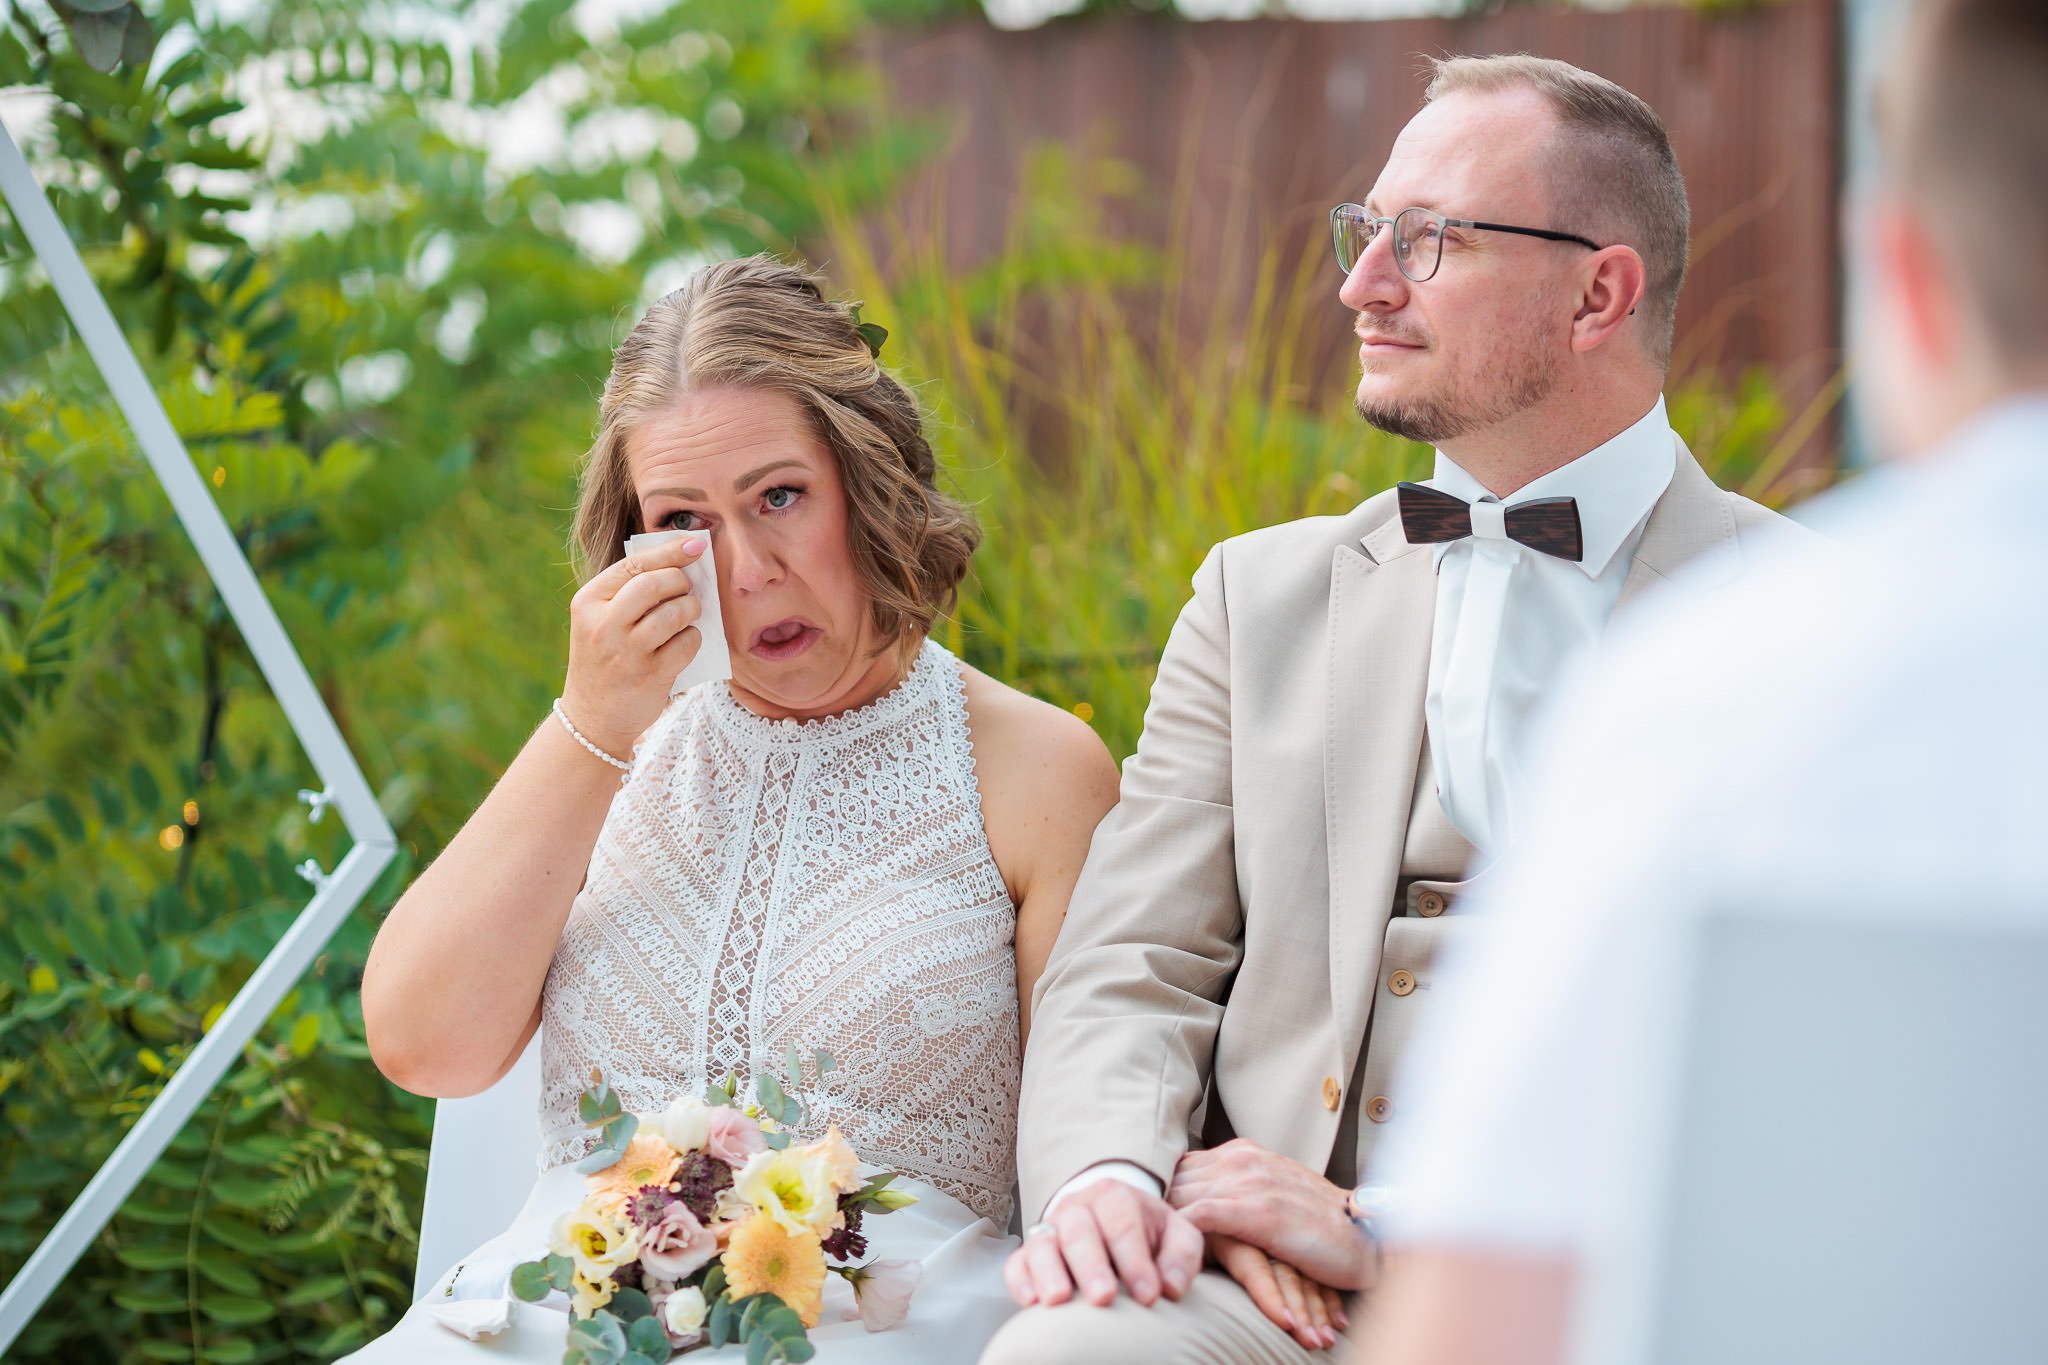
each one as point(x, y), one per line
point(765, 884)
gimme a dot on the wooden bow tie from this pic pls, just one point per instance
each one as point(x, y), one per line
point(1430, 516)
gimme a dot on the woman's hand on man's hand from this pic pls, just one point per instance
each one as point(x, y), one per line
point(632, 629)
point(1313, 1314)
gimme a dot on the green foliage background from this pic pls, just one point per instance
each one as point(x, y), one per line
point(383, 348)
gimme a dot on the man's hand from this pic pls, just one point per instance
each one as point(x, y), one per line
point(1312, 1313)
point(1280, 1206)
point(1102, 1234)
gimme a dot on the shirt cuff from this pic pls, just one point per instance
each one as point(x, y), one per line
point(1129, 1172)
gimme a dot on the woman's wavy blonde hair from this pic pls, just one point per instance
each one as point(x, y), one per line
point(761, 323)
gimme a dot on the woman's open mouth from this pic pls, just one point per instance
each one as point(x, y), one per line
point(784, 640)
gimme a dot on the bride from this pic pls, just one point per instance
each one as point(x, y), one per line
point(858, 844)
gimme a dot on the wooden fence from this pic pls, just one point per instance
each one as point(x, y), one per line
point(1291, 116)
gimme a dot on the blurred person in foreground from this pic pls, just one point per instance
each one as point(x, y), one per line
point(1330, 754)
point(857, 844)
point(1865, 735)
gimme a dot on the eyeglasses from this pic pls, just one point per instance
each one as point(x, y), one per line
point(1418, 237)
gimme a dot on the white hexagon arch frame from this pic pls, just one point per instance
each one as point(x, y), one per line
point(334, 895)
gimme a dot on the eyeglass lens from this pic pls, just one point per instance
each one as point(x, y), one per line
point(1418, 239)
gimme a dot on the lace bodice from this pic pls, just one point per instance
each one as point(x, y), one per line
point(824, 884)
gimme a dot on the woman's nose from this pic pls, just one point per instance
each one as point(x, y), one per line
point(749, 560)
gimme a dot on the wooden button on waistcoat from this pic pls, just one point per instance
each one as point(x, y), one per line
point(1430, 904)
point(1379, 1109)
point(1332, 1092)
point(1400, 983)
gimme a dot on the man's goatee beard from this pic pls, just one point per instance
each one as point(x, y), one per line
point(1424, 422)
point(1434, 422)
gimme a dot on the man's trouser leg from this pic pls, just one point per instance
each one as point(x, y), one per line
point(1214, 1323)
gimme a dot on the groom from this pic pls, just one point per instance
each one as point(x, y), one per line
point(1330, 750)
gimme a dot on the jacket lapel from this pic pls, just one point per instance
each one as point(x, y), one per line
point(1692, 519)
point(1381, 611)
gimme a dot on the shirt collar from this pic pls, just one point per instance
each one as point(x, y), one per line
point(1616, 484)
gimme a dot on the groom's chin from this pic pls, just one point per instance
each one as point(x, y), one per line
point(1413, 422)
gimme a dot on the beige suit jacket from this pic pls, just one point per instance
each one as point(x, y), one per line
point(1218, 965)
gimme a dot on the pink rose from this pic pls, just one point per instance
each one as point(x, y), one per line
point(735, 1137)
point(678, 1245)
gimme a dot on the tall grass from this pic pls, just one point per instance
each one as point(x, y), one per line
point(1107, 439)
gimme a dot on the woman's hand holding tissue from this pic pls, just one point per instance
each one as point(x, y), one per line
point(632, 629)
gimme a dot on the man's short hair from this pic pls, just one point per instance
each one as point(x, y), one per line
point(1963, 115)
point(1615, 178)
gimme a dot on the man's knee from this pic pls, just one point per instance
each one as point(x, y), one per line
point(1077, 1333)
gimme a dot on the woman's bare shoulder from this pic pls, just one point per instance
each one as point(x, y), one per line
point(1024, 739)
point(1046, 780)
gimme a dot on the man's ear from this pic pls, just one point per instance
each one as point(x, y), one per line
point(1922, 289)
point(1612, 287)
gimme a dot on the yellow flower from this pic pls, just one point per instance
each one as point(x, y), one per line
point(597, 1238)
point(591, 1294)
point(648, 1161)
point(794, 1187)
point(766, 1259)
point(842, 1167)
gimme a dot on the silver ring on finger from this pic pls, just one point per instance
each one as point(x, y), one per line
point(1038, 1230)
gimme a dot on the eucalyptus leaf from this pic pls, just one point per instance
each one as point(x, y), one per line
point(630, 1306)
point(597, 1340)
point(530, 1281)
point(647, 1337)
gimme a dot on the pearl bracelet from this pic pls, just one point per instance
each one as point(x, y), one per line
point(577, 735)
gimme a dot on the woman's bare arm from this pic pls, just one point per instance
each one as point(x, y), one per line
point(1046, 781)
point(452, 990)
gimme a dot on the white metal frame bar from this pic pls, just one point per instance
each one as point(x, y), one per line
point(346, 789)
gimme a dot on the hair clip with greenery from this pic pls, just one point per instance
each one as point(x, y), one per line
point(873, 333)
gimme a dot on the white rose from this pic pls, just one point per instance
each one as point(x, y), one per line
point(684, 1312)
point(687, 1124)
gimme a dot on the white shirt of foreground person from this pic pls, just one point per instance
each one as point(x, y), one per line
point(1864, 730)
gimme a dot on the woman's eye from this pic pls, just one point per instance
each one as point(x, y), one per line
point(680, 520)
point(780, 499)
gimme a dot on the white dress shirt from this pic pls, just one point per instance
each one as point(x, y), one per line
point(1856, 736)
point(1509, 618)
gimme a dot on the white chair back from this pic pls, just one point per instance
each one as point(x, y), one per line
point(1839, 1149)
point(485, 1154)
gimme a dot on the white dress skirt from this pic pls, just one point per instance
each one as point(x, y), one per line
point(761, 886)
point(959, 1304)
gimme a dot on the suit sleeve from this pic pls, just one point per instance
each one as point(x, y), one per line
point(1126, 1012)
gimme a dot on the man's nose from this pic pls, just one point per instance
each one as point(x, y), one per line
point(1375, 281)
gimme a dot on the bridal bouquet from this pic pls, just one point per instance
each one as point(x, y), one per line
point(708, 1224)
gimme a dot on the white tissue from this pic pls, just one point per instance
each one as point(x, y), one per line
point(714, 661)
point(473, 1318)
